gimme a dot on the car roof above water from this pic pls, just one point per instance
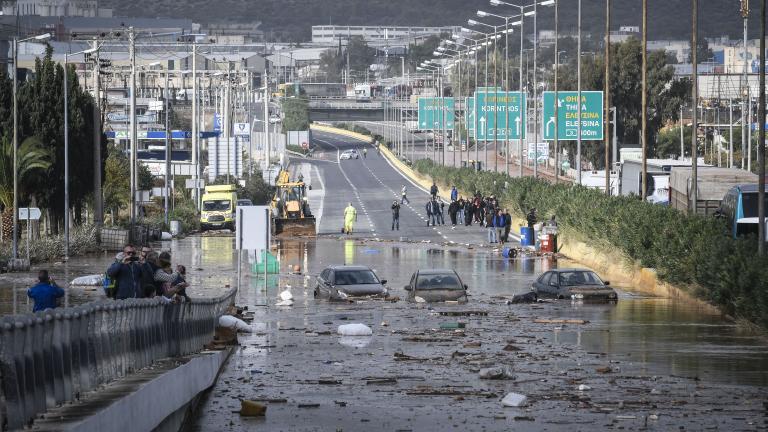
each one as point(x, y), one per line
point(436, 271)
point(348, 267)
point(561, 270)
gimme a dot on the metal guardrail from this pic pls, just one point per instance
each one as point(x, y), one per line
point(55, 356)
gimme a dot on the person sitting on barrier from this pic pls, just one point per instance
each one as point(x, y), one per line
point(168, 279)
point(45, 293)
point(126, 271)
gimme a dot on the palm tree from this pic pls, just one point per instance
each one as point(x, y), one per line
point(33, 161)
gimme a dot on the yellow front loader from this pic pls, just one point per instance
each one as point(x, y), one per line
point(291, 215)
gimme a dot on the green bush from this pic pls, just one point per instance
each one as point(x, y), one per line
point(693, 252)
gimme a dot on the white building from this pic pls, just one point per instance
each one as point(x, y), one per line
point(330, 34)
point(57, 8)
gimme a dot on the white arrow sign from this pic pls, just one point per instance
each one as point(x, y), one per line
point(517, 125)
point(31, 213)
point(551, 122)
point(482, 125)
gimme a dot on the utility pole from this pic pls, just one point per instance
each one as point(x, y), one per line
point(644, 106)
point(15, 146)
point(694, 105)
point(265, 102)
point(730, 133)
point(745, 90)
point(578, 85)
point(168, 149)
point(607, 97)
point(535, 90)
point(195, 132)
point(133, 133)
point(761, 141)
point(227, 119)
point(557, 67)
point(98, 203)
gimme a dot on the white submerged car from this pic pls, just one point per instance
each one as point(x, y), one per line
point(349, 154)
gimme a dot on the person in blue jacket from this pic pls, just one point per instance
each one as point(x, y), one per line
point(126, 271)
point(45, 293)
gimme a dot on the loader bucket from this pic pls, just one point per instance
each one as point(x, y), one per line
point(303, 227)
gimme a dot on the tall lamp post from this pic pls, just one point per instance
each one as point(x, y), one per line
point(66, 146)
point(16, 41)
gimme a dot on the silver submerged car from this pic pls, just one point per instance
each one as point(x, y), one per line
point(577, 284)
point(345, 282)
point(436, 285)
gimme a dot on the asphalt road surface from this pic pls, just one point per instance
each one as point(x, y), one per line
point(371, 184)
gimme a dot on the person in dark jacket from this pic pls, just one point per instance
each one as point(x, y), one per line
point(395, 215)
point(441, 213)
point(499, 223)
point(491, 230)
point(507, 225)
point(433, 191)
point(468, 212)
point(430, 213)
point(453, 210)
point(45, 293)
point(149, 287)
point(531, 218)
point(126, 270)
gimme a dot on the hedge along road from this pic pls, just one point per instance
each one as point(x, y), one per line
point(372, 184)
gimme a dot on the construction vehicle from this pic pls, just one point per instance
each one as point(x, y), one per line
point(291, 215)
point(219, 204)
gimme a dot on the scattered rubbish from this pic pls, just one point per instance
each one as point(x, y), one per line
point(560, 321)
point(452, 325)
point(584, 387)
point(90, 280)
point(529, 297)
point(286, 298)
point(626, 417)
point(514, 400)
point(495, 373)
point(449, 391)
point(523, 418)
point(473, 345)
point(354, 330)
point(418, 299)
point(309, 405)
point(384, 324)
point(381, 381)
point(166, 236)
point(463, 313)
point(271, 400)
point(250, 408)
point(511, 347)
point(426, 339)
point(328, 381)
point(604, 370)
point(231, 322)
point(340, 403)
point(655, 391)
point(653, 417)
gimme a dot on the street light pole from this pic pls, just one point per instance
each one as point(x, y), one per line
point(535, 93)
point(133, 131)
point(745, 88)
point(694, 105)
point(761, 141)
point(607, 97)
point(66, 157)
point(644, 105)
point(578, 97)
point(557, 67)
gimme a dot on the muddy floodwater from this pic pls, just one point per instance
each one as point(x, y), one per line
point(642, 363)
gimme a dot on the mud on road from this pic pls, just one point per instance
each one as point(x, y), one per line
point(421, 370)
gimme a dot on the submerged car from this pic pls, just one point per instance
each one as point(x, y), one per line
point(577, 284)
point(344, 282)
point(436, 285)
point(349, 154)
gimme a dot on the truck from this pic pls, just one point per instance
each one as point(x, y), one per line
point(218, 209)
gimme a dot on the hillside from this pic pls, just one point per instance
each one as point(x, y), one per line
point(292, 19)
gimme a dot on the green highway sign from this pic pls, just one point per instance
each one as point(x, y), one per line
point(567, 115)
point(436, 113)
point(493, 108)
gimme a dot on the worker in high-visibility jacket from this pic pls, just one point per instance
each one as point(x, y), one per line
point(350, 217)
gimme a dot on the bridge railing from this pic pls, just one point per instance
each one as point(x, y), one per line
point(55, 356)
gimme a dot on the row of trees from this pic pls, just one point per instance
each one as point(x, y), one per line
point(41, 138)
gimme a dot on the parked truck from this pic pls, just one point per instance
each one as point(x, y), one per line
point(218, 210)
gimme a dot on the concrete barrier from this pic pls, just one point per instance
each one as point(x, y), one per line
point(52, 357)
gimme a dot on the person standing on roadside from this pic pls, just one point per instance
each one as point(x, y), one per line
point(499, 222)
point(431, 210)
point(45, 293)
point(491, 230)
point(434, 190)
point(395, 215)
point(126, 271)
point(507, 225)
point(454, 194)
point(350, 217)
point(453, 211)
point(403, 196)
point(468, 212)
point(531, 218)
point(441, 212)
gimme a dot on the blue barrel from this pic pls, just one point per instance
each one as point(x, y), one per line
point(527, 237)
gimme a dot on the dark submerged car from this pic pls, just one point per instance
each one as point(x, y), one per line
point(577, 284)
point(342, 282)
point(436, 285)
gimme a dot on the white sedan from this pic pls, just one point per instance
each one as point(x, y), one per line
point(349, 154)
